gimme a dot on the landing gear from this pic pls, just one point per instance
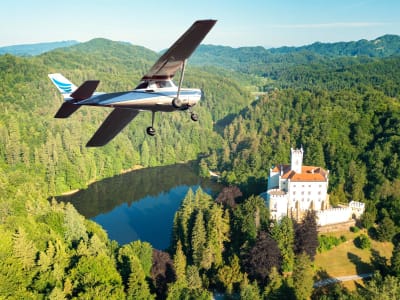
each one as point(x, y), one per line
point(150, 130)
point(177, 103)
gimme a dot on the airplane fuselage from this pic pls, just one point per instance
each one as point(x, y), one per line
point(151, 97)
point(144, 100)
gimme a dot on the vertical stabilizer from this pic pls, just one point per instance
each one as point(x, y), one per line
point(64, 86)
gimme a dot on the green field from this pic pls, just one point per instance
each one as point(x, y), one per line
point(347, 259)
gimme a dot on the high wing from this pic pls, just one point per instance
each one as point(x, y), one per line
point(172, 60)
point(115, 122)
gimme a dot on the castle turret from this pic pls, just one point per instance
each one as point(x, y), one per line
point(296, 159)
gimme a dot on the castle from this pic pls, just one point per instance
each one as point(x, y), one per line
point(294, 189)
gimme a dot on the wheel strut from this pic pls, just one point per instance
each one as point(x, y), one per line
point(150, 130)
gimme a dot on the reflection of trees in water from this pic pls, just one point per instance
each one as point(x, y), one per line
point(104, 195)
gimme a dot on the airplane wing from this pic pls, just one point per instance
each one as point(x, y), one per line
point(112, 125)
point(167, 65)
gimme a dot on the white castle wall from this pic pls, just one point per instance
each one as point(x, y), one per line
point(334, 216)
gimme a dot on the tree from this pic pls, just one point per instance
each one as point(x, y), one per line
point(273, 290)
point(249, 291)
point(395, 261)
point(24, 249)
point(230, 274)
point(137, 284)
point(228, 195)
point(283, 233)
point(193, 278)
point(262, 257)
point(381, 287)
point(198, 240)
point(162, 272)
point(306, 235)
point(386, 229)
point(249, 217)
point(303, 277)
point(218, 230)
point(180, 263)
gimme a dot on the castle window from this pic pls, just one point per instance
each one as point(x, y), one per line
point(302, 193)
point(309, 193)
point(294, 192)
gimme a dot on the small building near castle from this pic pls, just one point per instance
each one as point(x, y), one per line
point(293, 189)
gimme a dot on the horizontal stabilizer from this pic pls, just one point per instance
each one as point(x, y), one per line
point(66, 109)
point(115, 122)
point(86, 90)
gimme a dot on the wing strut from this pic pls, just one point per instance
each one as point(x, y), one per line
point(181, 79)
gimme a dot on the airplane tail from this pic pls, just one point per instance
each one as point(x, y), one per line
point(64, 86)
point(71, 93)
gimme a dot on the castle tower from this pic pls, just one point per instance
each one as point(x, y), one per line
point(296, 159)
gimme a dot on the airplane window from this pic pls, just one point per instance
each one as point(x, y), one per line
point(163, 84)
point(142, 85)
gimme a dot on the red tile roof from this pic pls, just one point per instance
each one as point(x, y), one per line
point(308, 173)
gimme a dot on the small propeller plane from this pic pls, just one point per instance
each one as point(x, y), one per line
point(156, 91)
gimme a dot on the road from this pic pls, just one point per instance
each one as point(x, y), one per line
point(341, 279)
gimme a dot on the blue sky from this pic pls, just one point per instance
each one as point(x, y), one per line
point(157, 24)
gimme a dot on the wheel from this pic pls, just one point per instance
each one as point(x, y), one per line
point(151, 131)
point(177, 103)
point(194, 117)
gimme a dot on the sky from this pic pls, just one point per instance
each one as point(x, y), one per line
point(157, 24)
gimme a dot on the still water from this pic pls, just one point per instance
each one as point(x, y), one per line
point(140, 205)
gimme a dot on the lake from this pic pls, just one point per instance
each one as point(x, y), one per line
point(141, 204)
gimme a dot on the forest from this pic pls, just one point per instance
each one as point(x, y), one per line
point(341, 106)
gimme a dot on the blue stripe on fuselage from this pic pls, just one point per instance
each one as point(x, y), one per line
point(109, 99)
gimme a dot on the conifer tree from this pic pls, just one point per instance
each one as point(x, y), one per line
point(230, 274)
point(217, 232)
point(283, 234)
point(198, 240)
point(180, 263)
point(137, 285)
point(303, 277)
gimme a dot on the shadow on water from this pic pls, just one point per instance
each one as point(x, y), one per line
point(140, 204)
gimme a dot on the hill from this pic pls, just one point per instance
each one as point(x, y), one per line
point(261, 61)
point(34, 49)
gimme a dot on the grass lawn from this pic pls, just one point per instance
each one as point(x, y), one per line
point(347, 259)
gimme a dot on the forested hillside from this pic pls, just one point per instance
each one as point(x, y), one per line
point(344, 110)
point(264, 62)
point(346, 116)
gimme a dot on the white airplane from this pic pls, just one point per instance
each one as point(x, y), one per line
point(155, 92)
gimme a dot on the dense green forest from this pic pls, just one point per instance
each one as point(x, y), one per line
point(340, 101)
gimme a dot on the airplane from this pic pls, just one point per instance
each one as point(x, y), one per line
point(156, 91)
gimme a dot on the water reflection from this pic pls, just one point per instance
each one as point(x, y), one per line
point(140, 204)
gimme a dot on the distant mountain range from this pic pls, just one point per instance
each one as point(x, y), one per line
point(35, 49)
point(383, 46)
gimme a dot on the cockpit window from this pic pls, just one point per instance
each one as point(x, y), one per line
point(154, 84)
point(163, 84)
point(142, 85)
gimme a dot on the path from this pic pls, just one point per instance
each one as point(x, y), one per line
point(341, 279)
